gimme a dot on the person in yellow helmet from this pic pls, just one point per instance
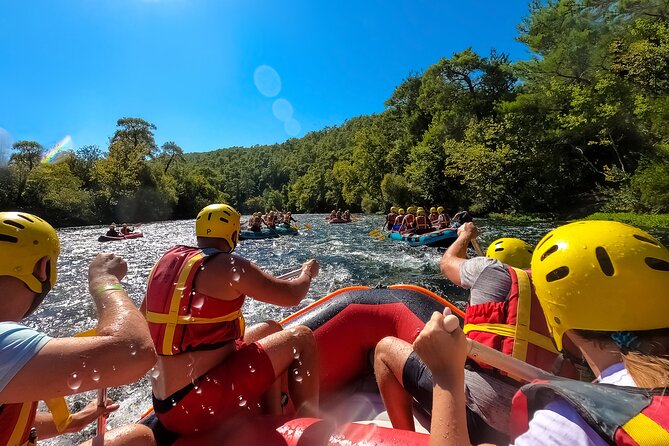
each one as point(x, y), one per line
point(512, 251)
point(602, 285)
point(398, 220)
point(433, 217)
point(444, 220)
point(208, 351)
point(255, 222)
point(495, 290)
point(390, 219)
point(34, 366)
point(409, 221)
point(422, 224)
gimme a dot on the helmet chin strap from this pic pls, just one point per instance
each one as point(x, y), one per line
point(39, 297)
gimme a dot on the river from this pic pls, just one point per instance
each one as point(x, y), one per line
point(346, 252)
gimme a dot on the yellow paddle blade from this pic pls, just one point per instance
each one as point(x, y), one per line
point(382, 236)
point(60, 412)
point(294, 228)
point(374, 232)
point(307, 227)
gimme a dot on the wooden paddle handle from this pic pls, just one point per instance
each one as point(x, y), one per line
point(290, 275)
point(482, 353)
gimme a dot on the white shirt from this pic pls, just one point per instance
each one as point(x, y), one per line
point(559, 424)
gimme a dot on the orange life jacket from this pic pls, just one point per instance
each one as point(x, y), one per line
point(433, 218)
point(627, 416)
point(517, 327)
point(181, 319)
point(16, 422)
point(390, 220)
point(421, 222)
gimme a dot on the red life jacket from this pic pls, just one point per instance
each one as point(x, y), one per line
point(628, 416)
point(390, 220)
point(517, 327)
point(421, 222)
point(16, 421)
point(399, 219)
point(408, 221)
point(433, 218)
point(181, 319)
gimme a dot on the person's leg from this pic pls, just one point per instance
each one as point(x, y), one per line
point(129, 435)
point(271, 400)
point(390, 355)
point(294, 351)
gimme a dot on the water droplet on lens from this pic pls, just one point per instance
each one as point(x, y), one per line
point(211, 410)
point(133, 349)
point(298, 378)
point(74, 381)
point(198, 390)
point(242, 401)
point(198, 302)
point(236, 277)
point(155, 373)
point(308, 373)
point(251, 369)
point(95, 375)
point(174, 403)
point(295, 352)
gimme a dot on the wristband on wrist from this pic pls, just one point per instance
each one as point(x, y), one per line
point(108, 287)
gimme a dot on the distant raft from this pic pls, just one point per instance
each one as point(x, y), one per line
point(441, 238)
point(268, 233)
point(107, 238)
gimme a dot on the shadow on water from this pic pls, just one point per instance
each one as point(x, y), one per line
point(348, 256)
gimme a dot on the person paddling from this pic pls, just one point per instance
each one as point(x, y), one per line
point(390, 219)
point(433, 217)
point(496, 283)
point(210, 368)
point(422, 224)
point(125, 230)
point(34, 366)
point(443, 221)
point(112, 232)
point(398, 220)
point(255, 222)
point(602, 285)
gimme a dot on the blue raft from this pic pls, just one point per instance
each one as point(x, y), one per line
point(268, 233)
point(441, 238)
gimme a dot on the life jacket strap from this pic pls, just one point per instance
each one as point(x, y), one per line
point(644, 430)
point(162, 318)
point(507, 330)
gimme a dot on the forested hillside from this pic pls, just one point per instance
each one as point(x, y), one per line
point(583, 124)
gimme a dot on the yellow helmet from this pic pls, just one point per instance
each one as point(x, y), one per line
point(440, 209)
point(401, 211)
point(420, 212)
point(601, 276)
point(219, 221)
point(512, 251)
point(411, 209)
point(393, 209)
point(433, 210)
point(24, 239)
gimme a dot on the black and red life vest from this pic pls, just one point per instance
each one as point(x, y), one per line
point(16, 421)
point(408, 221)
point(517, 327)
point(628, 416)
point(181, 319)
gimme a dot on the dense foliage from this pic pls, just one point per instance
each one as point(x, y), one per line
point(583, 125)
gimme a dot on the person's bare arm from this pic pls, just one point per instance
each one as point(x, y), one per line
point(449, 419)
point(120, 353)
point(46, 428)
point(456, 254)
point(244, 277)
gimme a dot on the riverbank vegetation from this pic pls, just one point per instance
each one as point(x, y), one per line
point(641, 220)
point(581, 126)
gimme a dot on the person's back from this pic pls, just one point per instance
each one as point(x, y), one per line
point(30, 249)
point(112, 232)
point(199, 362)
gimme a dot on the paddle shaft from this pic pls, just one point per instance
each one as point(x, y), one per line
point(102, 420)
point(477, 247)
point(290, 275)
point(482, 353)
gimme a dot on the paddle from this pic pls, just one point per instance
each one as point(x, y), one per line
point(290, 275)
point(307, 227)
point(477, 247)
point(375, 232)
point(382, 236)
point(497, 359)
point(102, 393)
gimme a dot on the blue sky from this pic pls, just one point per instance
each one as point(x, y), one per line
point(220, 73)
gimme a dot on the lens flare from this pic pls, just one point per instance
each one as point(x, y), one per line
point(56, 153)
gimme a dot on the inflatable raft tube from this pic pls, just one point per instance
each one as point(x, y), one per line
point(347, 325)
point(107, 238)
point(442, 238)
point(338, 221)
point(267, 233)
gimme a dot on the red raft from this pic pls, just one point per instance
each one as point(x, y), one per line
point(347, 325)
